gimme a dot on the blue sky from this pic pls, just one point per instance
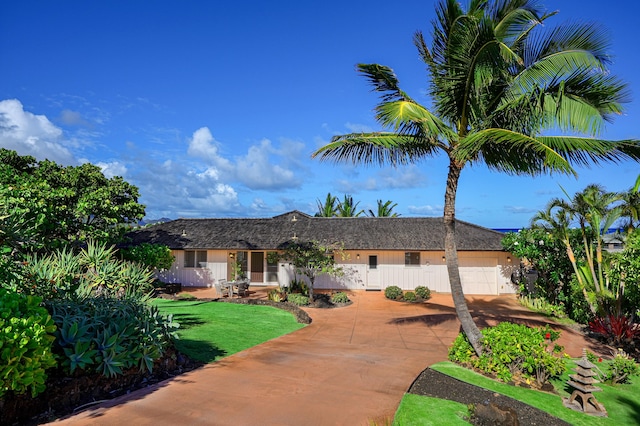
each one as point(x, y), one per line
point(213, 108)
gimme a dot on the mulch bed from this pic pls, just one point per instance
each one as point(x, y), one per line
point(438, 385)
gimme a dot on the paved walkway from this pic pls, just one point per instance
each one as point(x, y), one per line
point(351, 366)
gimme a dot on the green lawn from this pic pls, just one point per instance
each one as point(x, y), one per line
point(620, 401)
point(210, 331)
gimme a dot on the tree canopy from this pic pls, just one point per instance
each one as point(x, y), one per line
point(62, 205)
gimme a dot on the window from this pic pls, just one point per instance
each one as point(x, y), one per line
point(412, 258)
point(195, 258)
point(272, 266)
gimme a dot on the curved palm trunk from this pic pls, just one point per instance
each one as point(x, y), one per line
point(451, 253)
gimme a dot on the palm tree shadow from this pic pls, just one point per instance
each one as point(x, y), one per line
point(200, 350)
point(187, 320)
point(635, 405)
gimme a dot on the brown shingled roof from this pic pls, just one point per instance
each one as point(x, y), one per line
point(359, 233)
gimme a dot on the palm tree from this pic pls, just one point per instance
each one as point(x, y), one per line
point(497, 80)
point(328, 208)
point(384, 210)
point(630, 206)
point(556, 219)
point(346, 208)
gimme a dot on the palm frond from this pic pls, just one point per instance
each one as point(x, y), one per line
point(510, 152)
point(376, 148)
point(383, 80)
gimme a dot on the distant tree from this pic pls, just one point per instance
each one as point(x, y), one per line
point(384, 210)
point(328, 208)
point(347, 208)
point(66, 205)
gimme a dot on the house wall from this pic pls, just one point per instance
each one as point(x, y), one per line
point(482, 272)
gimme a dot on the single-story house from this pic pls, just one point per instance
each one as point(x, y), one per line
point(380, 251)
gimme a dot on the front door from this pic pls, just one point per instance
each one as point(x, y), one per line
point(257, 266)
point(373, 273)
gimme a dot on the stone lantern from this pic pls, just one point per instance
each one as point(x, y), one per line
point(581, 382)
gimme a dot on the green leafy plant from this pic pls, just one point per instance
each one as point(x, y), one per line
point(155, 256)
point(340, 297)
point(298, 299)
point(513, 349)
point(541, 305)
point(393, 292)
point(410, 296)
point(298, 286)
point(26, 338)
point(109, 334)
point(621, 367)
point(423, 292)
point(277, 295)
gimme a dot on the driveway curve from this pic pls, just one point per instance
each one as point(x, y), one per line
point(351, 366)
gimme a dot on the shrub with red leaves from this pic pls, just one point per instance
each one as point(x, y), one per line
point(615, 329)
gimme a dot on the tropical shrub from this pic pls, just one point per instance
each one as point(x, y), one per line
point(512, 350)
point(615, 330)
point(298, 299)
point(277, 295)
point(393, 292)
point(340, 297)
point(298, 286)
point(410, 296)
point(423, 292)
point(93, 271)
point(109, 334)
point(621, 368)
point(26, 338)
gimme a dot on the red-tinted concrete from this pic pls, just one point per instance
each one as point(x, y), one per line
point(351, 366)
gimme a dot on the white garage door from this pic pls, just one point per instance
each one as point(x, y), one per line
point(479, 275)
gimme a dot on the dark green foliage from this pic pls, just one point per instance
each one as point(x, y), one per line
point(393, 292)
point(109, 335)
point(410, 296)
point(66, 205)
point(298, 286)
point(26, 337)
point(512, 349)
point(298, 299)
point(340, 297)
point(154, 256)
point(422, 292)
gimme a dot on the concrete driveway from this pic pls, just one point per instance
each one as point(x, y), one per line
point(351, 366)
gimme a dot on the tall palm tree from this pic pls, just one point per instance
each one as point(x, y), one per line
point(384, 209)
point(328, 208)
point(497, 80)
point(347, 208)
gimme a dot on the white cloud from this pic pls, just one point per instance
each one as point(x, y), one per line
point(205, 147)
point(257, 170)
point(74, 118)
point(114, 168)
point(358, 128)
point(427, 210)
point(30, 134)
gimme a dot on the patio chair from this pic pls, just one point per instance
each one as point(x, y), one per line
point(243, 288)
point(222, 289)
